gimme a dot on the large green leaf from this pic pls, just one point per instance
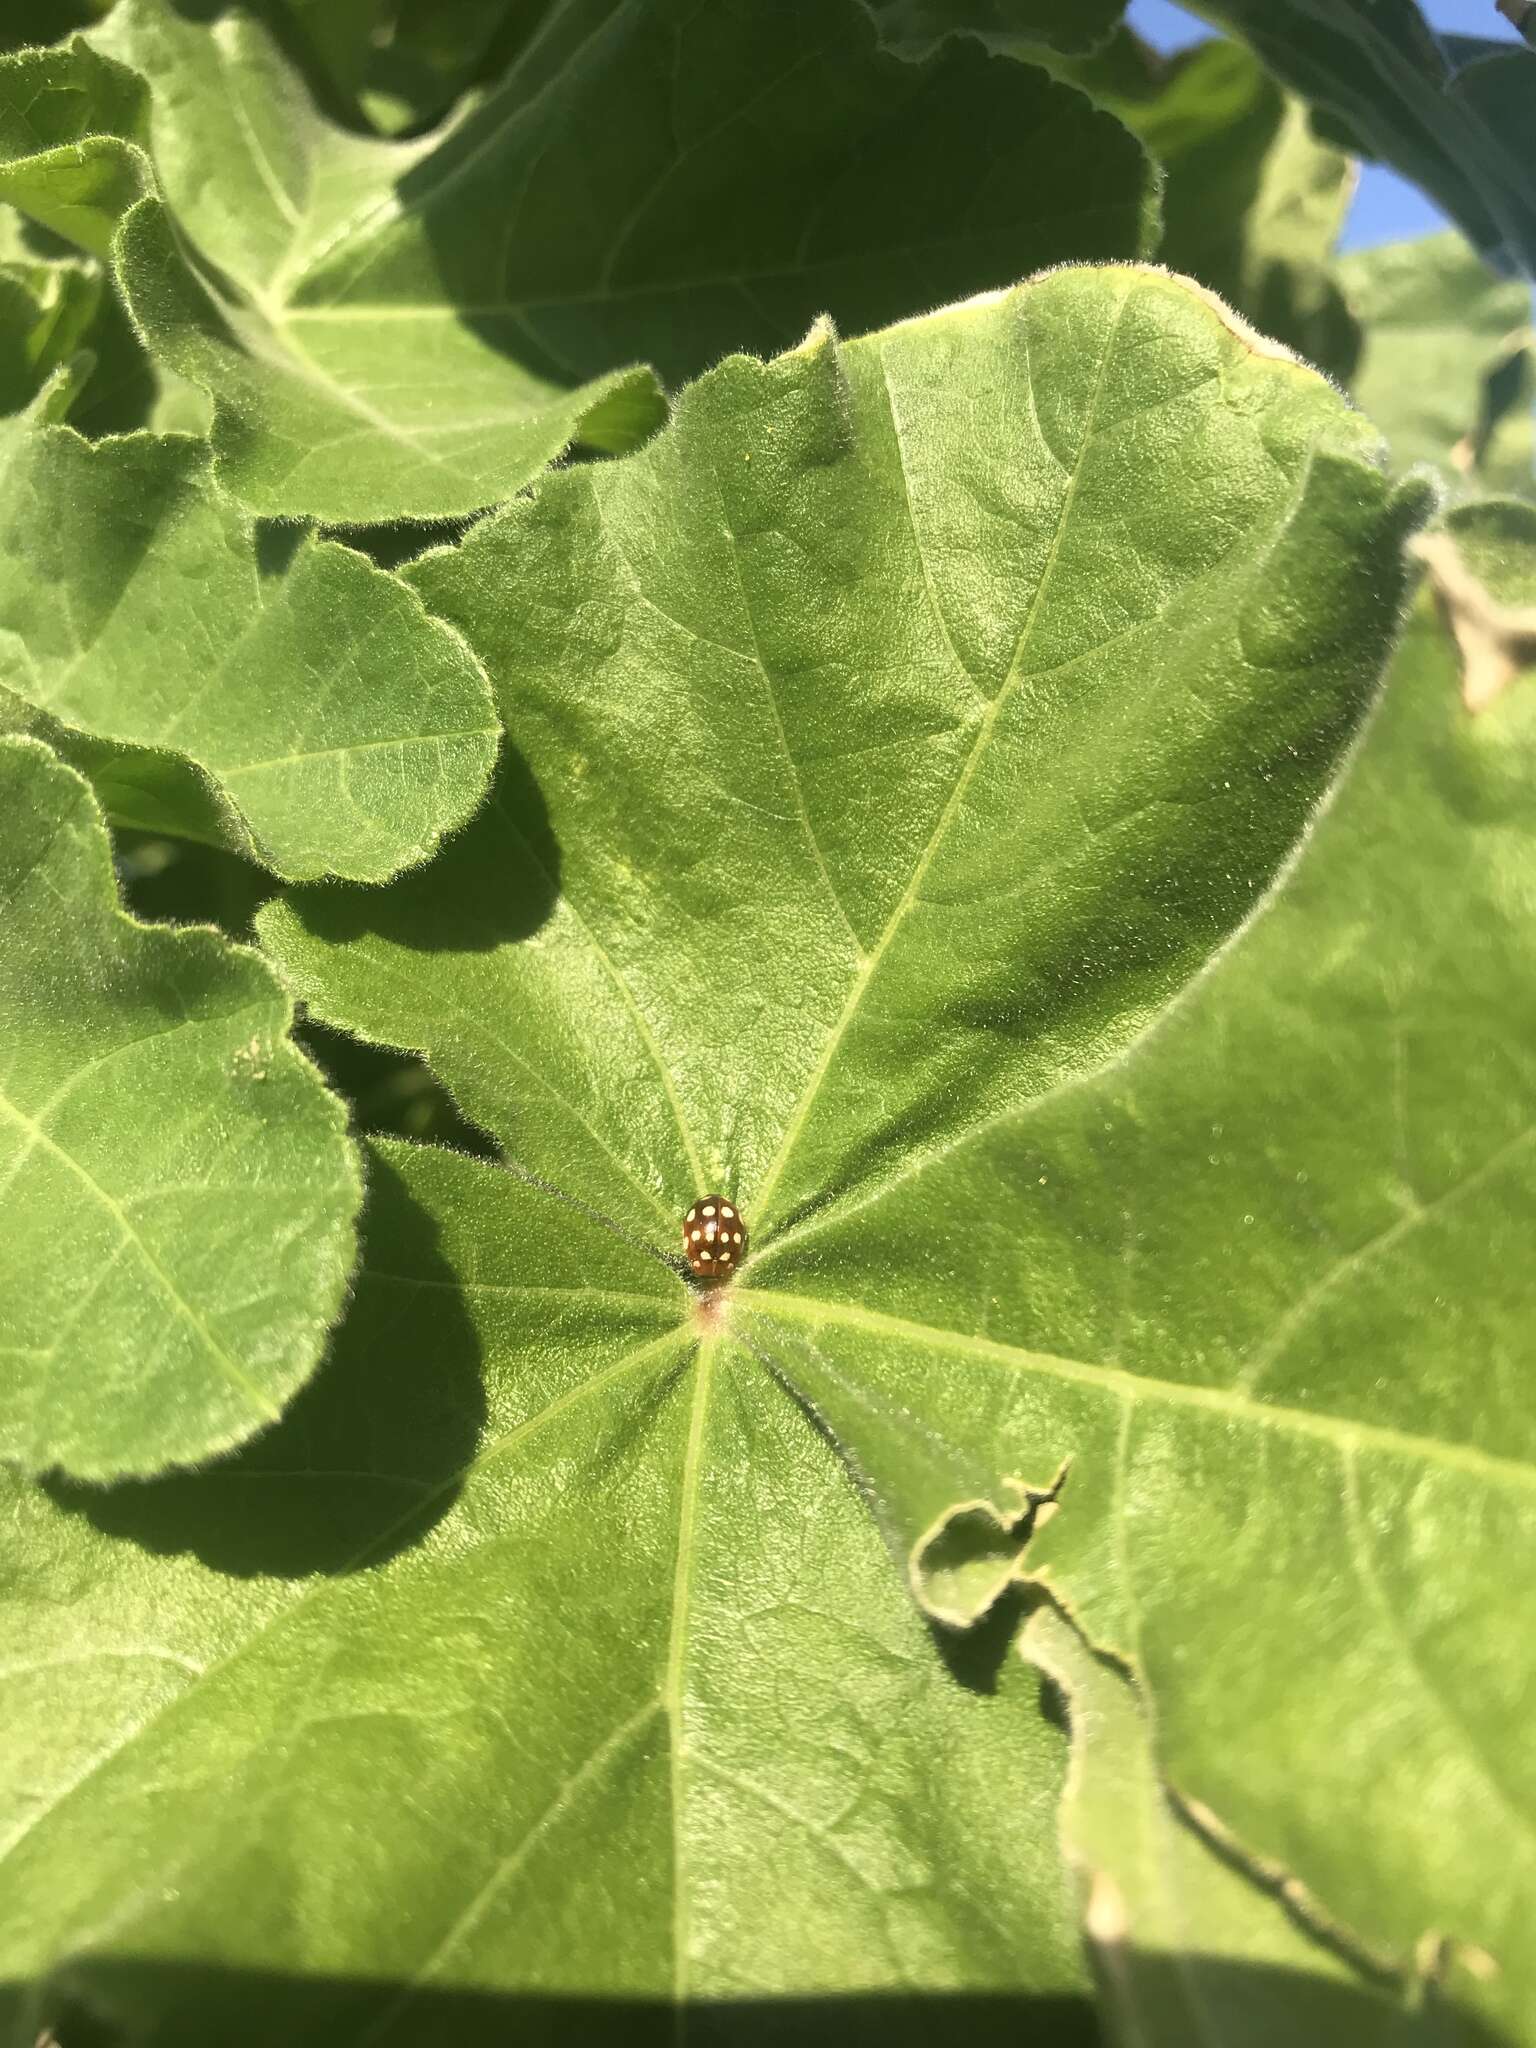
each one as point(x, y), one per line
point(915, 721)
point(1266, 1287)
point(645, 224)
point(1377, 69)
point(178, 1191)
point(1439, 325)
point(533, 1653)
point(297, 703)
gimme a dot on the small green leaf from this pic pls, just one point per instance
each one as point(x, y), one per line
point(46, 310)
point(72, 128)
point(178, 1188)
point(1437, 323)
point(341, 730)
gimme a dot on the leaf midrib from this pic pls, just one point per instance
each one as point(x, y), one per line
point(984, 731)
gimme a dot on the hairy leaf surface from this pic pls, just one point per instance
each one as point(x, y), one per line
point(385, 333)
point(178, 1191)
point(475, 1681)
point(903, 761)
point(295, 702)
point(1187, 1943)
point(72, 129)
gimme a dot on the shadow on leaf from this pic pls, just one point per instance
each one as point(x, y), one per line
point(368, 1456)
point(102, 2003)
point(492, 884)
point(974, 1657)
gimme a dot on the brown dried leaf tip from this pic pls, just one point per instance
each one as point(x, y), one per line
point(1496, 641)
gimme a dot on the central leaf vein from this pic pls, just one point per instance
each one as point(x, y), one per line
point(957, 796)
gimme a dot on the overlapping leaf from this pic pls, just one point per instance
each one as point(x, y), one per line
point(295, 705)
point(46, 309)
point(1254, 198)
point(1377, 70)
point(72, 128)
point(1444, 372)
point(178, 1191)
point(1187, 1944)
point(387, 333)
point(57, 311)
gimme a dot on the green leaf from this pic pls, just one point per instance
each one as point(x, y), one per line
point(917, 721)
point(475, 1679)
point(956, 512)
point(1254, 199)
point(178, 1188)
point(1377, 69)
point(1188, 1945)
point(46, 310)
point(1438, 323)
point(72, 128)
point(1068, 26)
point(297, 703)
point(1266, 1289)
point(56, 311)
point(843, 181)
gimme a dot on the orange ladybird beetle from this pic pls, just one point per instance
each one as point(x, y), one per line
point(714, 1238)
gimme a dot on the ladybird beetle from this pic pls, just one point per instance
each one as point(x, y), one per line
point(714, 1238)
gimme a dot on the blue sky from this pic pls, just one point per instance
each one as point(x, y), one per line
point(1386, 207)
